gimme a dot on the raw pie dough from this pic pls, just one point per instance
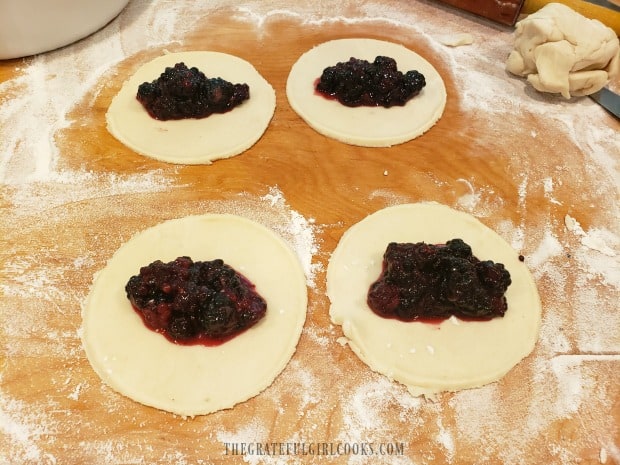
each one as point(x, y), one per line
point(561, 51)
point(430, 358)
point(364, 126)
point(196, 380)
point(193, 141)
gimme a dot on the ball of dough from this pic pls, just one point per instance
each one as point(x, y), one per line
point(561, 51)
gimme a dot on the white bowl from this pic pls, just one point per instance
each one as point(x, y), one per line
point(28, 27)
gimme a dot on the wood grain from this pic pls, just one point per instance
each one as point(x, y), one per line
point(43, 370)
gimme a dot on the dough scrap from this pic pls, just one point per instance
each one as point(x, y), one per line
point(193, 141)
point(364, 126)
point(196, 380)
point(430, 358)
point(561, 51)
point(455, 40)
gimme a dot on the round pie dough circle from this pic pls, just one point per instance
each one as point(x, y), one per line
point(193, 141)
point(364, 126)
point(430, 358)
point(195, 380)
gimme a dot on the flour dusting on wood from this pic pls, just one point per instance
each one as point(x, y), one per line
point(325, 394)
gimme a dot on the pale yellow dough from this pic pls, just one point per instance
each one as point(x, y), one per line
point(364, 126)
point(430, 358)
point(195, 380)
point(193, 141)
point(560, 51)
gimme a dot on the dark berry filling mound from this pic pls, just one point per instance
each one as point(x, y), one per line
point(361, 83)
point(432, 282)
point(195, 302)
point(181, 92)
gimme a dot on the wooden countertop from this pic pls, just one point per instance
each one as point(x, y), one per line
point(540, 170)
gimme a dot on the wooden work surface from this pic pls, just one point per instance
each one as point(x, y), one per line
point(519, 161)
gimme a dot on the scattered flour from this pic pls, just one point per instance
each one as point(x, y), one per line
point(548, 188)
point(75, 395)
point(255, 432)
point(515, 236)
point(390, 197)
point(301, 231)
point(470, 200)
point(446, 439)
point(595, 239)
point(549, 247)
point(23, 426)
point(480, 201)
point(47, 87)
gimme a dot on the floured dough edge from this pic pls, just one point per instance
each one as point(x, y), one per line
point(364, 126)
point(193, 141)
point(196, 380)
point(430, 358)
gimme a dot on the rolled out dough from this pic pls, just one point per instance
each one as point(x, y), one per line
point(364, 126)
point(430, 358)
point(195, 380)
point(193, 141)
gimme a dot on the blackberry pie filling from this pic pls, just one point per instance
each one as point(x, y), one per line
point(361, 83)
point(181, 92)
point(431, 282)
point(195, 302)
